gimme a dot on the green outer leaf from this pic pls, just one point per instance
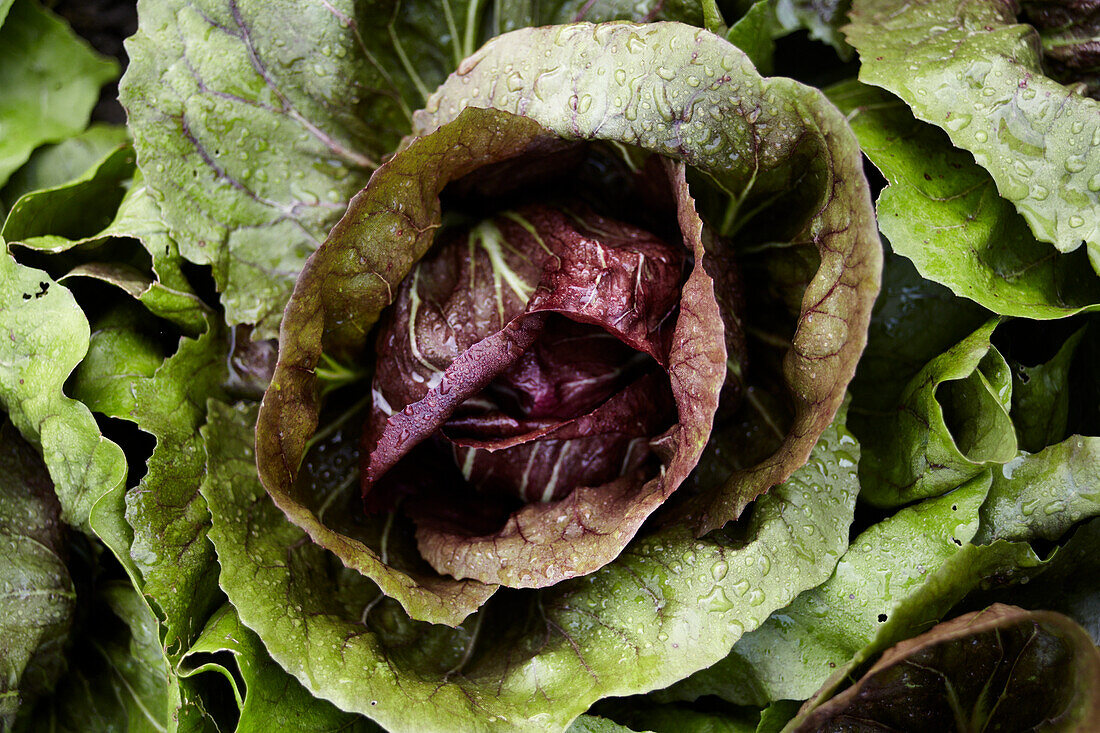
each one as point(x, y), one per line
point(74, 212)
point(515, 14)
point(952, 422)
point(68, 160)
point(123, 377)
point(168, 514)
point(117, 678)
point(943, 212)
point(777, 715)
point(118, 355)
point(271, 700)
point(899, 341)
point(169, 295)
point(1040, 397)
point(753, 34)
point(51, 81)
point(684, 93)
point(822, 18)
point(1064, 582)
point(37, 599)
point(40, 215)
point(1045, 494)
point(971, 70)
point(799, 647)
point(45, 337)
point(255, 122)
point(669, 605)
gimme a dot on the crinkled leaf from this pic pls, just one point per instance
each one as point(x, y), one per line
point(976, 73)
point(1044, 494)
point(899, 341)
point(46, 336)
point(74, 212)
point(1041, 396)
point(68, 160)
point(168, 293)
point(37, 598)
point(255, 123)
point(952, 422)
point(56, 219)
point(706, 105)
point(123, 378)
point(117, 679)
point(669, 605)
point(51, 81)
point(886, 566)
point(1003, 668)
point(943, 211)
point(268, 698)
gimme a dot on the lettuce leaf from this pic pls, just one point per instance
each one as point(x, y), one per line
point(51, 79)
point(978, 74)
point(669, 605)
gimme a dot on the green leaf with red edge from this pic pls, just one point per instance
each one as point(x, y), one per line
point(255, 122)
point(1002, 667)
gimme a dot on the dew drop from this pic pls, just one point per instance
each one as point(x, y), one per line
point(719, 569)
point(958, 122)
point(716, 601)
point(1055, 507)
point(1075, 164)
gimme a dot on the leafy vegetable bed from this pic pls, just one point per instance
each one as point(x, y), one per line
point(585, 366)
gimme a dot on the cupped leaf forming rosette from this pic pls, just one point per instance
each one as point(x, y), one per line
point(474, 354)
point(566, 344)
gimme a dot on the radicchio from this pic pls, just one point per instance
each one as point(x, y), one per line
point(532, 352)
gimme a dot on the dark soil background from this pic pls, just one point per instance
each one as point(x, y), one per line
point(105, 24)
